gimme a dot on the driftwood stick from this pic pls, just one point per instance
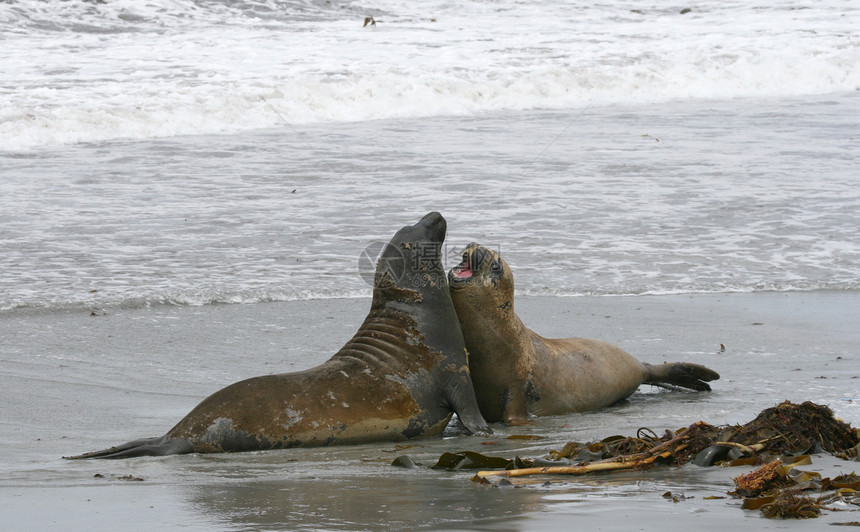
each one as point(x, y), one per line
point(746, 449)
point(572, 470)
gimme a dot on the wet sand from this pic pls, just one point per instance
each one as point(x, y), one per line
point(74, 382)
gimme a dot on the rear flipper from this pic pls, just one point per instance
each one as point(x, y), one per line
point(681, 375)
point(145, 447)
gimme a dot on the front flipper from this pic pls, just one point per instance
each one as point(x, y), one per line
point(461, 398)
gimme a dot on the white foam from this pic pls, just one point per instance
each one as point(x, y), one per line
point(164, 68)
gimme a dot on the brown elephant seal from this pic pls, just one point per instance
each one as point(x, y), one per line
point(403, 374)
point(518, 373)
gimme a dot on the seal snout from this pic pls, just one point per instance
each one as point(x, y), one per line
point(435, 225)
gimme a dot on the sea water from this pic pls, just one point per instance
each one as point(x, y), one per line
point(200, 152)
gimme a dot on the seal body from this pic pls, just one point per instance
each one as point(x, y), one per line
point(403, 374)
point(517, 373)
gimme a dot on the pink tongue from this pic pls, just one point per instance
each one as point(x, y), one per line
point(465, 272)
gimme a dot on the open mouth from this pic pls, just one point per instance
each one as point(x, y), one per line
point(464, 269)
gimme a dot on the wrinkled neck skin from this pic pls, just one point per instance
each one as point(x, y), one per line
point(423, 295)
point(422, 298)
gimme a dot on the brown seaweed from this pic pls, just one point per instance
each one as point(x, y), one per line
point(778, 440)
point(786, 429)
point(791, 504)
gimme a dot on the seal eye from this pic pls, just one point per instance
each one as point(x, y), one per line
point(496, 268)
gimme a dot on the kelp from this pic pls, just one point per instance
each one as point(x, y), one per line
point(776, 489)
point(472, 460)
point(789, 428)
point(667, 451)
point(790, 503)
point(849, 454)
point(785, 429)
point(776, 473)
point(642, 445)
point(779, 439)
point(755, 482)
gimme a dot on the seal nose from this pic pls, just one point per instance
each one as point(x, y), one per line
point(479, 254)
point(436, 226)
point(432, 218)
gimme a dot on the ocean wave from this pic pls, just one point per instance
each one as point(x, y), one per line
point(90, 72)
point(100, 304)
point(130, 16)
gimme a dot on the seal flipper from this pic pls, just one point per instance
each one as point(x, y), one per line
point(143, 447)
point(462, 401)
point(681, 375)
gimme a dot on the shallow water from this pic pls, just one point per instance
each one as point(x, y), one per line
point(690, 197)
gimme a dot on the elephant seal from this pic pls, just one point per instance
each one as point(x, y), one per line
point(518, 373)
point(402, 375)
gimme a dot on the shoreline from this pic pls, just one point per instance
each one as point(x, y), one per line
point(34, 310)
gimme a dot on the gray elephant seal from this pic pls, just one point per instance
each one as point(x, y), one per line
point(402, 375)
point(518, 373)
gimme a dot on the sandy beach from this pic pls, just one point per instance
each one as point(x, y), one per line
point(76, 382)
